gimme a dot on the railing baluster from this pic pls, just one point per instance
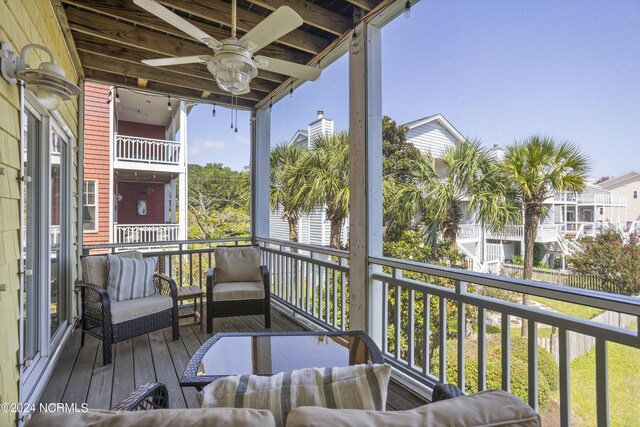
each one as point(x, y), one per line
point(506, 352)
point(411, 331)
point(343, 298)
point(190, 269)
point(327, 295)
point(180, 258)
point(335, 298)
point(442, 338)
point(533, 364)
point(565, 378)
point(313, 290)
point(398, 322)
point(462, 323)
point(482, 349)
point(385, 318)
point(602, 382)
point(426, 332)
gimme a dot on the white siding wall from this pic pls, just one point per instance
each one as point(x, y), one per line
point(278, 228)
point(431, 137)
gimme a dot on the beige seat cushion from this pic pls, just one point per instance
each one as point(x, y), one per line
point(121, 311)
point(219, 417)
point(233, 291)
point(237, 264)
point(95, 268)
point(358, 386)
point(487, 408)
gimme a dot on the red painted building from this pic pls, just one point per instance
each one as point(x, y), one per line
point(134, 166)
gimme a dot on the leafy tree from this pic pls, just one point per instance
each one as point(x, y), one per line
point(397, 164)
point(537, 167)
point(323, 180)
point(411, 247)
point(218, 202)
point(286, 159)
point(608, 257)
point(465, 179)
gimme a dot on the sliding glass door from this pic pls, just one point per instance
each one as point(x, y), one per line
point(46, 222)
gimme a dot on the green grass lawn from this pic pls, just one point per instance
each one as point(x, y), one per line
point(576, 310)
point(624, 386)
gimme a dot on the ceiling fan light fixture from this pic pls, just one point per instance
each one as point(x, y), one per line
point(233, 70)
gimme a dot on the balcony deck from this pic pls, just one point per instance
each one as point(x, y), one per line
point(80, 376)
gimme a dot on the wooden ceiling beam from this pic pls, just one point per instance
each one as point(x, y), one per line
point(120, 80)
point(130, 69)
point(61, 17)
point(312, 14)
point(87, 43)
point(365, 5)
point(220, 13)
point(129, 12)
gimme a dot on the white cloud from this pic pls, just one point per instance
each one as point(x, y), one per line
point(200, 146)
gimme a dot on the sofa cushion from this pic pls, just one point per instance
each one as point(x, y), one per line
point(487, 408)
point(237, 264)
point(130, 278)
point(219, 417)
point(121, 311)
point(95, 268)
point(231, 291)
point(358, 386)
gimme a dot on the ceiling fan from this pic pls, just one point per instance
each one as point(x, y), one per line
point(232, 63)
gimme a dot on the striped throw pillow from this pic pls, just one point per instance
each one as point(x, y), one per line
point(130, 278)
point(350, 387)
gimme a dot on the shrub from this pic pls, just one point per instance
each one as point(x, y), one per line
point(547, 368)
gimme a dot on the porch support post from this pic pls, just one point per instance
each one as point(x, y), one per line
point(260, 165)
point(183, 197)
point(365, 139)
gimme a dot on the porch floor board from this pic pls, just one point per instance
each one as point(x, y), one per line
point(81, 377)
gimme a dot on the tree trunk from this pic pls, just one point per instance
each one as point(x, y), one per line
point(293, 228)
point(336, 232)
point(531, 217)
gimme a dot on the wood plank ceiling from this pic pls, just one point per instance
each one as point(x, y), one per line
point(112, 36)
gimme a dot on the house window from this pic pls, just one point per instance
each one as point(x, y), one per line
point(601, 211)
point(90, 209)
point(635, 194)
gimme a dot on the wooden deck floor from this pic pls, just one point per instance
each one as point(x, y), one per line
point(80, 376)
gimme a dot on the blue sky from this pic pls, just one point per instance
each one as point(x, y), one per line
point(497, 70)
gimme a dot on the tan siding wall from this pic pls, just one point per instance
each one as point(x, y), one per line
point(21, 22)
point(97, 155)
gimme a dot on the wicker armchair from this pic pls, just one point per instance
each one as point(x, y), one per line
point(97, 315)
point(146, 397)
point(238, 307)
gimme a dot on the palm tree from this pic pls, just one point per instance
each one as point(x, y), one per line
point(285, 161)
point(323, 180)
point(465, 179)
point(537, 167)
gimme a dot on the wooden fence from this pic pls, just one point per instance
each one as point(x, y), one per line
point(559, 277)
point(579, 344)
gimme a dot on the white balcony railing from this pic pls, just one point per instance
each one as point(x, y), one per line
point(146, 233)
point(590, 198)
point(468, 231)
point(146, 150)
point(55, 235)
point(415, 317)
point(508, 232)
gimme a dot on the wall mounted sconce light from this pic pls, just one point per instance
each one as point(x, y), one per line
point(48, 81)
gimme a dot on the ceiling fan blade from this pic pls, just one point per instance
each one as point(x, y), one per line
point(195, 59)
point(281, 22)
point(287, 68)
point(166, 15)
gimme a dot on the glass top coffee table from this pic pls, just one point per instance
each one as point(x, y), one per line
point(268, 353)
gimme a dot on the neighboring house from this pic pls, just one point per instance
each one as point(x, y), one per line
point(627, 185)
point(313, 228)
point(571, 215)
point(135, 167)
